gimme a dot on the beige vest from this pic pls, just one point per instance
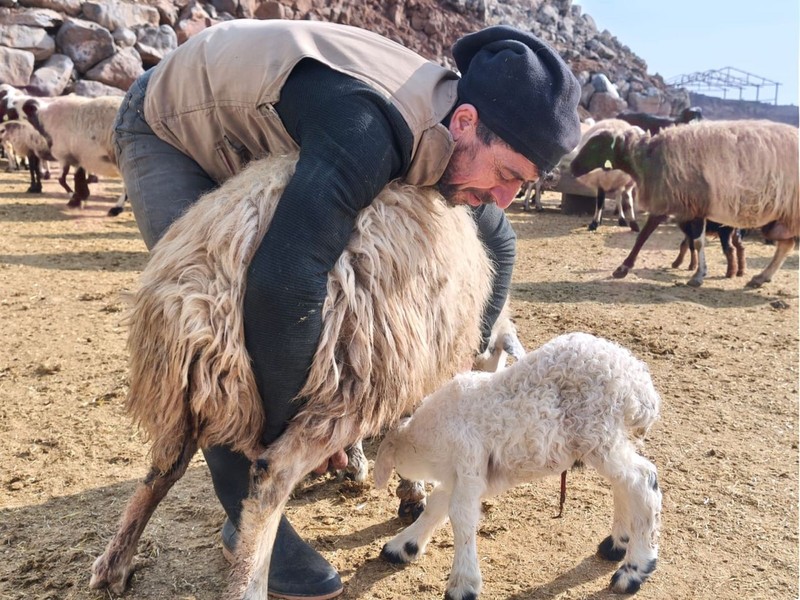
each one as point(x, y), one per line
point(213, 97)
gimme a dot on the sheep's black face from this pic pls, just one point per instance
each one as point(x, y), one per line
point(597, 153)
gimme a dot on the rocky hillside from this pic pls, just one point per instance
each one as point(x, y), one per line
point(96, 47)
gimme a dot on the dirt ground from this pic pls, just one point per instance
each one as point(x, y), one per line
point(724, 358)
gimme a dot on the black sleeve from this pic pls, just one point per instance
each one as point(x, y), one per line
point(500, 241)
point(350, 150)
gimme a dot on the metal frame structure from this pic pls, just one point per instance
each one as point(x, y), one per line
point(723, 80)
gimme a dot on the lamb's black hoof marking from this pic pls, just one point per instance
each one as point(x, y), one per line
point(410, 511)
point(608, 551)
point(411, 549)
point(392, 557)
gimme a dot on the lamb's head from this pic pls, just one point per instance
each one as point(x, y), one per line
point(385, 459)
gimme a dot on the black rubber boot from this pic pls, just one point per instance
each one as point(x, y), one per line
point(296, 570)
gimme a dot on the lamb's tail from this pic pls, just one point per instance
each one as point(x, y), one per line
point(643, 403)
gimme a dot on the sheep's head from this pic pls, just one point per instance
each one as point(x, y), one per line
point(597, 153)
point(29, 110)
point(694, 113)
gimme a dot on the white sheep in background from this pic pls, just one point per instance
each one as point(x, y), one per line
point(25, 141)
point(609, 182)
point(737, 173)
point(405, 298)
point(577, 398)
point(79, 133)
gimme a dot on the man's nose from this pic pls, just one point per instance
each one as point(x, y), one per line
point(504, 194)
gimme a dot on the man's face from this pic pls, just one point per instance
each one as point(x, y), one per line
point(479, 173)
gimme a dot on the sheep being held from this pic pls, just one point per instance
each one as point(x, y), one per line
point(577, 398)
point(402, 316)
point(737, 173)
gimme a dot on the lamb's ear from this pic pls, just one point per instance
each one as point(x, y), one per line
point(384, 462)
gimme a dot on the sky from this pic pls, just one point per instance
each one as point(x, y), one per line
point(678, 37)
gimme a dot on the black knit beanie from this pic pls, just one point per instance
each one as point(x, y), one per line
point(523, 91)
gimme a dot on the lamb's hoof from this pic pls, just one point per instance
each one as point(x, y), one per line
point(739, 273)
point(92, 179)
point(628, 578)
point(593, 226)
point(634, 227)
point(539, 209)
point(755, 282)
point(448, 595)
point(620, 272)
point(74, 202)
point(46, 175)
point(114, 211)
point(409, 553)
point(622, 222)
point(608, 550)
point(104, 576)
point(35, 188)
point(675, 264)
point(409, 511)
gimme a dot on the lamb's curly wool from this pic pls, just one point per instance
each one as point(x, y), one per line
point(402, 315)
point(577, 398)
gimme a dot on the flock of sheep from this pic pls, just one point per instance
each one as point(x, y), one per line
point(401, 302)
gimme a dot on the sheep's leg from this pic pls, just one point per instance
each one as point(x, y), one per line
point(357, 465)
point(45, 170)
point(526, 202)
point(599, 204)
point(725, 235)
point(697, 229)
point(635, 483)
point(117, 208)
point(736, 240)
point(782, 249)
point(537, 195)
point(682, 250)
point(114, 567)
point(626, 213)
point(412, 499)
point(653, 221)
point(274, 475)
point(36, 179)
point(465, 513)
point(63, 179)
point(412, 541)
point(81, 188)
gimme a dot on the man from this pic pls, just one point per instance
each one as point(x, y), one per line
point(363, 111)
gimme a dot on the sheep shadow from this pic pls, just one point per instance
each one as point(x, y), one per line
point(30, 212)
point(107, 260)
point(589, 569)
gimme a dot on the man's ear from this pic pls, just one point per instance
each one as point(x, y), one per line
point(464, 121)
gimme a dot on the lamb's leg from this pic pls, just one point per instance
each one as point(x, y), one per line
point(697, 232)
point(599, 204)
point(736, 240)
point(635, 483)
point(275, 474)
point(63, 179)
point(113, 568)
point(464, 582)
point(653, 221)
point(783, 245)
point(412, 541)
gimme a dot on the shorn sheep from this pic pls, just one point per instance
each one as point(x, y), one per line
point(737, 173)
point(577, 398)
point(402, 316)
point(79, 133)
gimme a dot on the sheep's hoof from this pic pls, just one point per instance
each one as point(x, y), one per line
point(593, 226)
point(756, 282)
point(695, 282)
point(409, 511)
point(676, 263)
point(608, 550)
point(92, 179)
point(409, 553)
point(620, 272)
point(35, 188)
point(634, 227)
point(104, 576)
point(114, 211)
point(628, 578)
point(74, 202)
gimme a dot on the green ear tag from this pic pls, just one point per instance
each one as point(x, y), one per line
point(608, 165)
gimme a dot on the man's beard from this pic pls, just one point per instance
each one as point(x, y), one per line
point(454, 194)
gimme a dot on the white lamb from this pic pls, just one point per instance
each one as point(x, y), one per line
point(577, 398)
